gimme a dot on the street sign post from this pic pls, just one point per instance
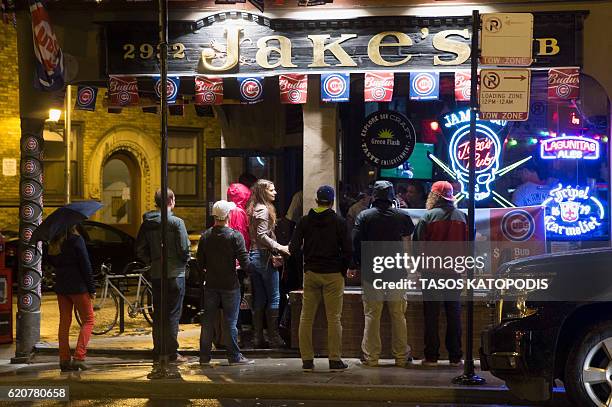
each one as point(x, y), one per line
point(504, 94)
point(507, 39)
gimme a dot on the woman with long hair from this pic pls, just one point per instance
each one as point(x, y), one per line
point(264, 277)
point(75, 289)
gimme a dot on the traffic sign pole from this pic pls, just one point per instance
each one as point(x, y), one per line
point(469, 377)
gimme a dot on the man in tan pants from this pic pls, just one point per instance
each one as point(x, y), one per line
point(382, 223)
point(323, 237)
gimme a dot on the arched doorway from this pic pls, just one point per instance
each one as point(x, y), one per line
point(120, 193)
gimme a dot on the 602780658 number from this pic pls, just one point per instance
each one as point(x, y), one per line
point(147, 51)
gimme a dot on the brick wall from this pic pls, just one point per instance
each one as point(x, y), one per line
point(353, 322)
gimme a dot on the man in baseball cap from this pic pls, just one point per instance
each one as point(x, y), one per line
point(323, 238)
point(218, 250)
point(444, 190)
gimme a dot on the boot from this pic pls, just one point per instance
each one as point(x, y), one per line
point(258, 337)
point(274, 338)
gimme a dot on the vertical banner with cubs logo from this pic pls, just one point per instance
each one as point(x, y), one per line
point(378, 87)
point(122, 91)
point(251, 89)
point(463, 83)
point(335, 87)
point(293, 88)
point(424, 85)
point(208, 91)
point(49, 57)
point(172, 87)
point(86, 98)
point(563, 84)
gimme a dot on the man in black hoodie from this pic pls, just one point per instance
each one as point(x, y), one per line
point(148, 249)
point(323, 237)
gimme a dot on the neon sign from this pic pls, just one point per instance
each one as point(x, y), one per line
point(572, 212)
point(569, 147)
point(488, 150)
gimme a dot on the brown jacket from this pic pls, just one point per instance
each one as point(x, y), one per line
point(261, 231)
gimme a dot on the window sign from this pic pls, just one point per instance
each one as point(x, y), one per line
point(573, 212)
point(569, 147)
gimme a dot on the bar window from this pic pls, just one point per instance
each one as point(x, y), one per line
point(184, 162)
point(54, 162)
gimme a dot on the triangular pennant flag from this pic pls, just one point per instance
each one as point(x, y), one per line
point(208, 91)
point(172, 88)
point(335, 87)
point(293, 88)
point(123, 91)
point(378, 87)
point(86, 98)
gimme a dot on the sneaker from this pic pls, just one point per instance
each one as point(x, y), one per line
point(78, 364)
point(456, 363)
point(241, 361)
point(180, 358)
point(337, 365)
point(368, 362)
point(429, 363)
point(307, 365)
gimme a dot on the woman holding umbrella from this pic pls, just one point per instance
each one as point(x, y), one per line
point(74, 284)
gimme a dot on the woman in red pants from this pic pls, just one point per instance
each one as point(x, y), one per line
point(75, 288)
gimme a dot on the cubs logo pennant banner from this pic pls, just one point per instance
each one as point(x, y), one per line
point(424, 85)
point(208, 91)
point(86, 98)
point(563, 84)
point(172, 88)
point(49, 57)
point(378, 86)
point(463, 83)
point(335, 87)
point(251, 89)
point(123, 91)
point(293, 88)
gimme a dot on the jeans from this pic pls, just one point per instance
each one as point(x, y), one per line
point(432, 300)
point(176, 294)
point(230, 302)
point(264, 280)
point(83, 304)
point(329, 288)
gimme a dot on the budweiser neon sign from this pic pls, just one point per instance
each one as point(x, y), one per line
point(570, 148)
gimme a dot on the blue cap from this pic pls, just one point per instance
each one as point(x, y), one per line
point(325, 194)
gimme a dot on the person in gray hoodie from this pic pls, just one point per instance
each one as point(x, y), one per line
point(148, 249)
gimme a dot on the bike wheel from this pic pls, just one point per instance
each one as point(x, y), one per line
point(146, 302)
point(106, 312)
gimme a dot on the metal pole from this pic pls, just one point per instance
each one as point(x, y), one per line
point(67, 141)
point(163, 70)
point(469, 377)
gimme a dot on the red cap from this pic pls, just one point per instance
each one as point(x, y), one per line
point(444, 189)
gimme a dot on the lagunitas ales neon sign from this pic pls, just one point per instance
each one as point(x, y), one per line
point(569, 147)
point(488, 151)
point(573, 212)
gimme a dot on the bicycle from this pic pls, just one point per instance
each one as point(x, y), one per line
point(106, 306)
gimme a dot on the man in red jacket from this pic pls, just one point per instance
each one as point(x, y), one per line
point(442, 222)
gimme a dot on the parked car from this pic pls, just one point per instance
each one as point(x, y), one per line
point(561, 333)
point(104, 243)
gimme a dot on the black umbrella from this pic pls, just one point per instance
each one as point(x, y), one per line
point(63, 218)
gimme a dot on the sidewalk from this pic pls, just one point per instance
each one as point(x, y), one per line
point(268, 378)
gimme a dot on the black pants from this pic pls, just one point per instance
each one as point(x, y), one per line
point(176, 293)
point(432, 300)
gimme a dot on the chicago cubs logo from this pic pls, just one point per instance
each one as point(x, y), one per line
point(209, 96)
point(251, 89)
point(30, 166)
point(334, 85)
point(26, 234)
point(294, 95)
point(518, 225)
point(27, 281)
point(124, 97)
point(424, 84)
point(86, 96)
point(563, 91)
point(379, 93)
point(27, 211)
point(31, 144)
point(27, 300)
point(27, 256)
point(28, 189)
point(171, 89)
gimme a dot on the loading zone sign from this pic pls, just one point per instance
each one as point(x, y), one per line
point(504, 94)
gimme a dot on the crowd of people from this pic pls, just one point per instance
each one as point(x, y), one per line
point(243, 241)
